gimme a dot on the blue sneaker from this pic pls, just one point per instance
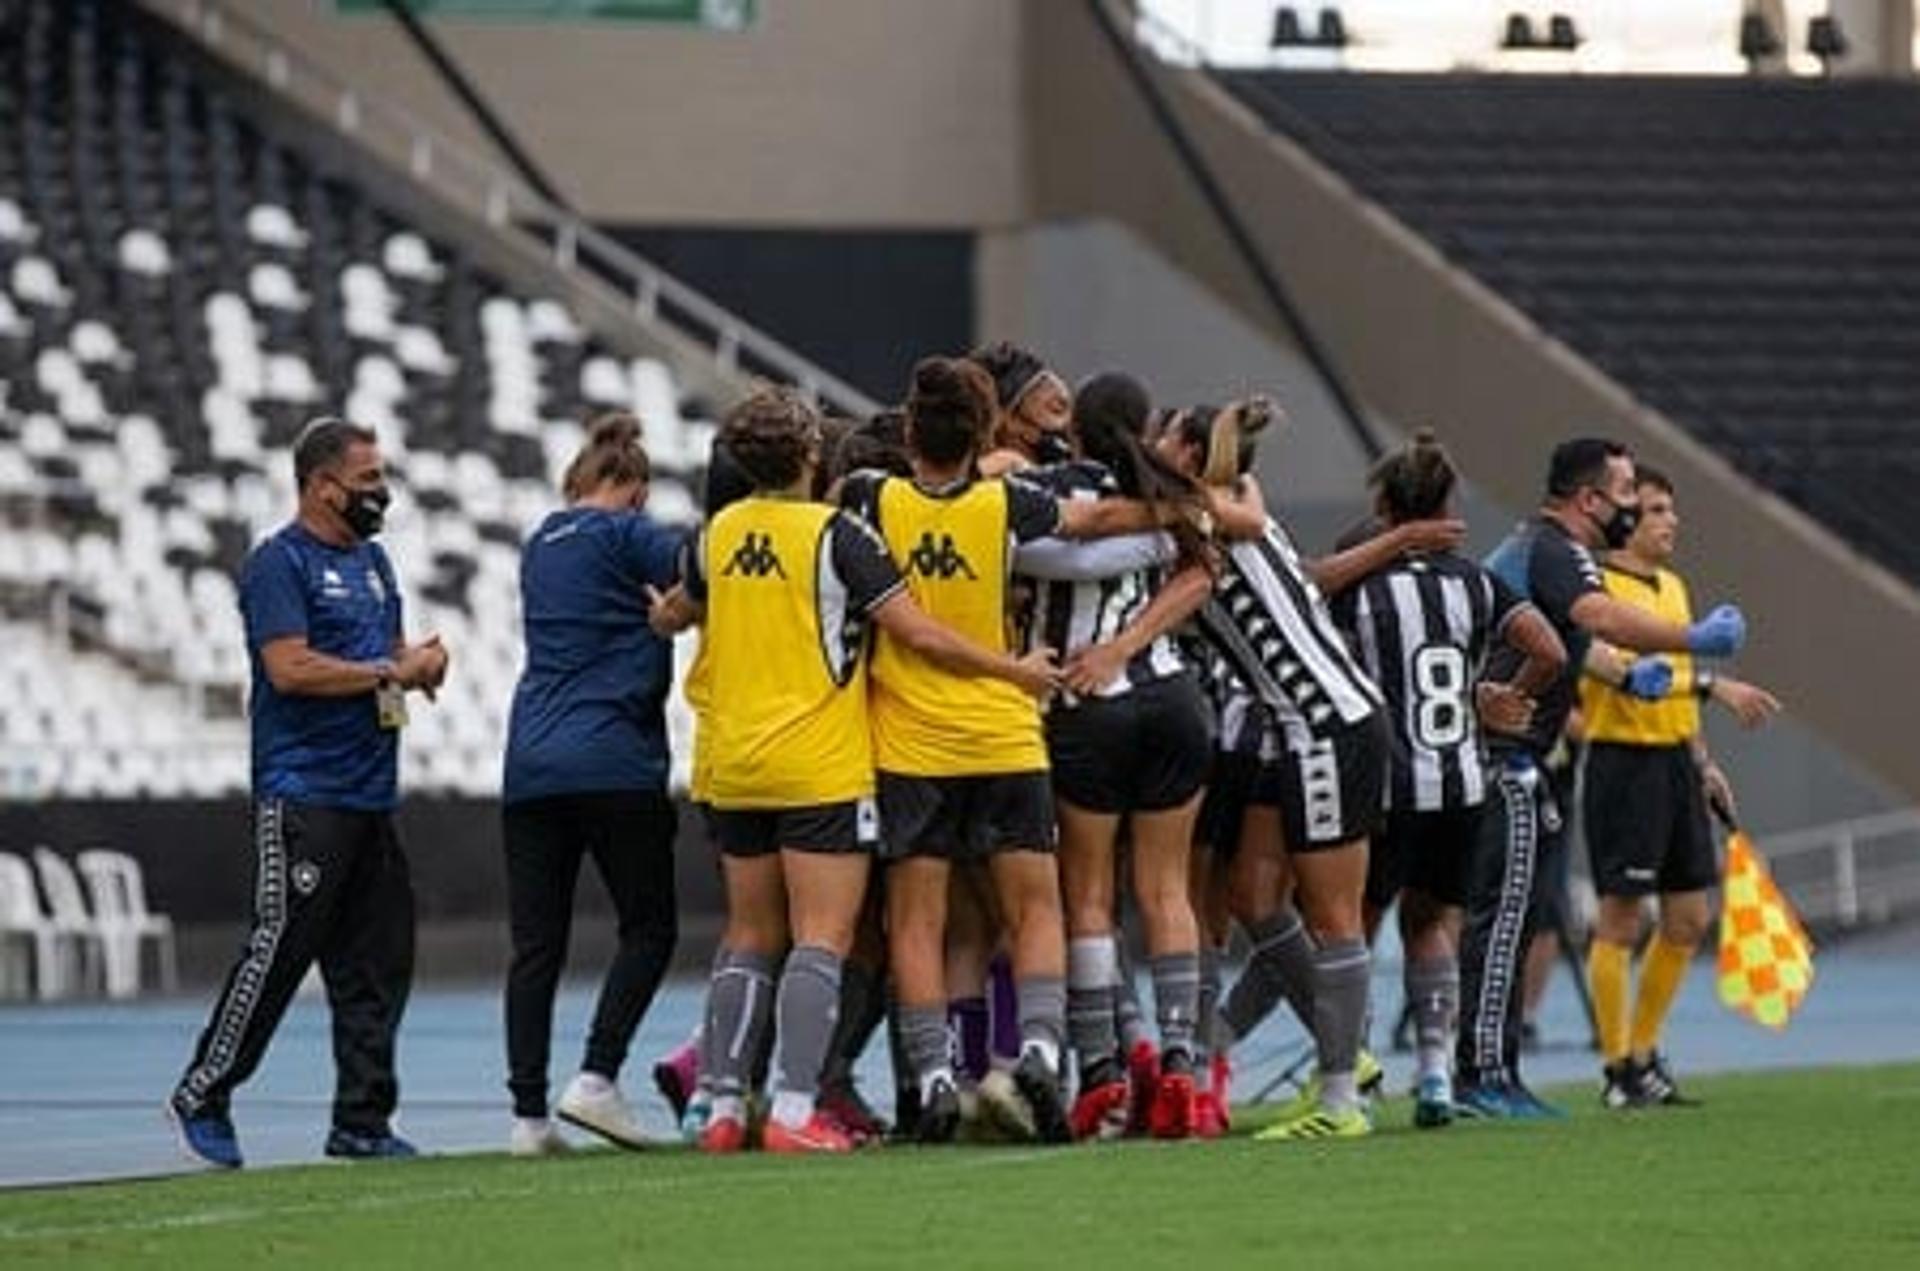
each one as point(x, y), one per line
point(1483, 1101)
point(206, 1137)
point(1525, 1105)
point(352, 1145)
point(1433, 1101)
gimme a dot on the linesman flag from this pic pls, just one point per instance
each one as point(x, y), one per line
point(1766, 959)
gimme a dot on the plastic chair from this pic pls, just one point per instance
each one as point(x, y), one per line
point(20, 913)
point(69, 911)
point(28, 939)
point(121, 914)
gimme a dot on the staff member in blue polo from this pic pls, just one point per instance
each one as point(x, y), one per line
point(330, 673)
point(586, 775)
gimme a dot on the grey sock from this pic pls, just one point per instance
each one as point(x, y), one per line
point(739, 1004)
point(1129, 1021)
point(1043, 1015)
point(1176, 1001)
point(1280, 965)
point(1340, 971)
point(1433, 989)
point(923, 1036)
point(1090, 1024)
point(863, 1005)
point(809, 1007)
point(1207, 1019)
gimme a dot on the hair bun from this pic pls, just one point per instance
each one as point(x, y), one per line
point(616, 428)
point(1425, 438)
point(1257, 412)
point(937, 378)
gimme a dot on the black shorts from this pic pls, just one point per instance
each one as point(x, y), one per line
point(1145, 750)
point(1431, 852)
point(1330, 787)
point(852, 826)
point(1646, 821)
point(962, 818)
point(1230, 787)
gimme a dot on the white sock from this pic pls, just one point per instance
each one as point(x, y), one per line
point(1339, 1091)
point(728, 1107)
point(792, 1108)
point(592, 1083)
point(1048, 1052)
point(538, 1126)
point(932, 1078)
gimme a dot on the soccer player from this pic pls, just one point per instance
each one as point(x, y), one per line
point(1033, 415)
point(1131, 741)
point(586, 775)
point(1423, 626)
point(785, 586)
point(962, 762)
point(1268, 620)
point(1649, 778)
point(1590, 503)
point(330, 672)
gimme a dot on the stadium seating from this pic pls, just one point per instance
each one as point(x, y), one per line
point(1743, 254)
point(181, 287)
point(120, 913)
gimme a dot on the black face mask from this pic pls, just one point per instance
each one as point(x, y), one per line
point(366, 510)
point(1619, 527)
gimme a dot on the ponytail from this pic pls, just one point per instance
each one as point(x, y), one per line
point(1415, 481)
point(612, 455)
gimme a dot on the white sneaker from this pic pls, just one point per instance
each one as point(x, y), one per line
point(596, 1104)
point(1003, 1107)
point(535, 1136)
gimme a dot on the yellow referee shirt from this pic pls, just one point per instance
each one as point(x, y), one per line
point(1615, 716)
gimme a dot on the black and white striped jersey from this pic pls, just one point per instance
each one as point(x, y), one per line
point(1070, 616)
point(1423, 627)
point(1269, 621)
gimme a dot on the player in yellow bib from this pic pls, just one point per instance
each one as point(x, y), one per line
point(785, 587)
point(962, 763)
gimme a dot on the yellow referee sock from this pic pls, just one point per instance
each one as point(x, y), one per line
point(1607, 969)
point(1661, 974)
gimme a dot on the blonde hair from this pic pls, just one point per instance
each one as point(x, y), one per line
point(1231, 439)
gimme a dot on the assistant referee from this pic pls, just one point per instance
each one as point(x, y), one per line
point(330, 671)
point(1648, 778)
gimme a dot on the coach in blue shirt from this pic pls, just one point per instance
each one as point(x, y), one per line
point(330, 672)
point(586, 775)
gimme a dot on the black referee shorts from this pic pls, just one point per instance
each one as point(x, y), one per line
point(1330, 787)
point(965, 818)
point(1145, 750)
point(1646, 821)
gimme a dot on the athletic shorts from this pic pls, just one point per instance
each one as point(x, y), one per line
point(852, 826)
point(1145, 750)
point(1329, 787)
point(1230, 787)
point(965, 818)
point(1646, 821)
point(1431, 852)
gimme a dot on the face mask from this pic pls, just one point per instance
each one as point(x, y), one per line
point(366, 510)
point(1052, 447)
point(1618, 527)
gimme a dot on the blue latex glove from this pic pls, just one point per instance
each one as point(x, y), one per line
point(1649, 679)
point(1720, 634)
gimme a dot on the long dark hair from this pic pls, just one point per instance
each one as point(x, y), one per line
point(1110, 413)
point(950, 409)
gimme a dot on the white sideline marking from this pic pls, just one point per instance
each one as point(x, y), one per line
point(227, 1216)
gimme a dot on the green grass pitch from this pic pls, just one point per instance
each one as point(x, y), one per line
point(1783, 1170)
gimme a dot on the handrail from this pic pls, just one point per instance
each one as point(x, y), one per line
point(653, 297)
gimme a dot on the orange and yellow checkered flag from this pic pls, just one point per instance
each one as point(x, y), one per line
point(1766, 958)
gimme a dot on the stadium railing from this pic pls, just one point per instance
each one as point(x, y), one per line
point(680, 317)
point(1850, 873)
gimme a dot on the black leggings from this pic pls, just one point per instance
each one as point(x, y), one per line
point(630, 837)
